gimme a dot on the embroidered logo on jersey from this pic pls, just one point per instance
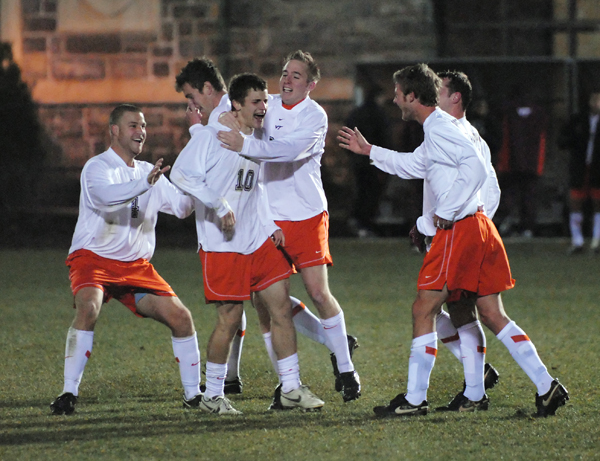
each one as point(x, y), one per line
point(277, 127)
point(271, 138)
point(135, 208)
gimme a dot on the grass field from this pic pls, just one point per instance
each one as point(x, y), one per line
point(129, 405)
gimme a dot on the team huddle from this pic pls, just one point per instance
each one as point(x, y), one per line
point(251, 174)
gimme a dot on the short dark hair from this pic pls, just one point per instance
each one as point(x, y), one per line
point(458, 82)
point(420, 80)
point(117, 113)
point(241, 84)
point(314, 73)
point(196, 72)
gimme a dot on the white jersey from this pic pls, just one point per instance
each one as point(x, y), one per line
point(490, 192)
point(450, 164)
point(220, 181)
point(292, 145)
point(118, 209)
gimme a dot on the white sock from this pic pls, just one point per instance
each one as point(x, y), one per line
point(575, 220)
point(307, 323)
point(448, 334)
point(335, 331)
point(187, 355)
point(271, 352)
point(77, 352)
point(233, 364)
point(523, 351)
point(596, 229)
point(215, 379)
point(472, 346)
point(289, 373)
point(422, 358)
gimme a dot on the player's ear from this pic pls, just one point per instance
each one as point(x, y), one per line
point(311, 85)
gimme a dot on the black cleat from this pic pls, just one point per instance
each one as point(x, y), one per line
point(276, 403)
point(548, 403)
point(352, 344)
point(490, 376)
point(233, 386)
point(64, 404)
point(461, 403)
point(194, 402)
point(350, 385)
point(399, 406)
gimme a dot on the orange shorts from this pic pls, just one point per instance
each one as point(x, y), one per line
point(117, 279)
point(233, 276)
point(307, 242)
point(470, 256)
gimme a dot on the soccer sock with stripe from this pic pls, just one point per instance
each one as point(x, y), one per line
point(523, 351)
point(187, 356)
point(233, 364)
point(448, 334)
point(215, 379)
point(271, 352)
point(472, 346)
point(307, 323)
point(335, 331)
point(422, 358)
point(575, 220)
point(77, 352)
point(289, 373)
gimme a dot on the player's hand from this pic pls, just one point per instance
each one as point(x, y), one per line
point(231, 140)
point(353, 140)
point(193, 115)
point(156, 172)
point(441, 223)
point(417, 239)
point(230, 121)
point(228, 222)
point(278, 238)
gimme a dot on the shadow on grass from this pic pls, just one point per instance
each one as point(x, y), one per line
point(94, 423)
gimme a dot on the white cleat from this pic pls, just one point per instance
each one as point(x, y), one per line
point(218, 405)
point(302, 398)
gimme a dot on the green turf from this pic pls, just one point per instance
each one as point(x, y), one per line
point(130, 408)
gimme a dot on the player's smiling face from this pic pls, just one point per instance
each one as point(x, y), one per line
point(251, 114)
point(293, 84)
point(130, 133)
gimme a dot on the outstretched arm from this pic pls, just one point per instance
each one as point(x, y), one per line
point(354, 141)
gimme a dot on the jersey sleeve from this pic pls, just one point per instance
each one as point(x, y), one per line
point(174, 202)
point(189, 172)
point(292, 147)
point(406, 165)
point(107, 195)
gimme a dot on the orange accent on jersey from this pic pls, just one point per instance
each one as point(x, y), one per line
point(431, 350)
point(241, 333)
point(291, 106)
point(519, 338)
point(481, 349)
point(449, 339)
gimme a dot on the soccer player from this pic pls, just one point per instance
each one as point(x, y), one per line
point(238, 248)
point(466, 252)
point(291, 150)
point(113, 242)
point(206, 92)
